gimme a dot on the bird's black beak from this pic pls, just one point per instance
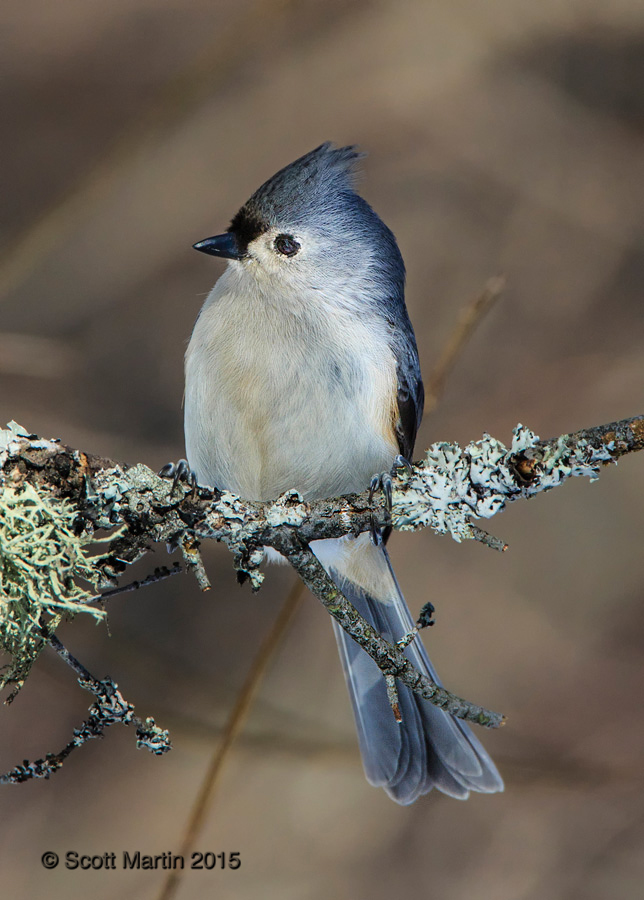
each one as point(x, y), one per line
point(224, 245)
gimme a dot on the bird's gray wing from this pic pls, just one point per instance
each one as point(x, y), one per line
point(411, 394)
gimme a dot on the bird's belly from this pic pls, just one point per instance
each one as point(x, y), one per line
point(267, 414)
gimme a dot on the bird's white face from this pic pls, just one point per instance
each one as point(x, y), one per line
point(280, 253)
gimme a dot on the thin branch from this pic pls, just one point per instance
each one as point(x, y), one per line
point(392, 696)
point(232, 728)
point(177, 99)
point(84, 676)
point(488, 539)
point(388, 657)
point(194, 562)
point(110, 708)
point(159, 574)
point(469, 318)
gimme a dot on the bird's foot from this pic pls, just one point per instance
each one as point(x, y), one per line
point(381, 482)
point(384, 482)
point(180, 471)
point(401, 462)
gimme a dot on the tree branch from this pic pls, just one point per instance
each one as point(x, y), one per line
point(445, 491)
point(389, 657)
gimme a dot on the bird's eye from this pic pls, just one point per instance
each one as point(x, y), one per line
point(286, 244)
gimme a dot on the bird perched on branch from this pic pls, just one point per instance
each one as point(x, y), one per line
point(302, 372)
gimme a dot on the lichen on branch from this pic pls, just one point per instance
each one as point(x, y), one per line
point(450, 486)
point(72, 495)
point(41, 560)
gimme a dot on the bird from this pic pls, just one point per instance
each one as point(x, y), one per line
point(302, 372)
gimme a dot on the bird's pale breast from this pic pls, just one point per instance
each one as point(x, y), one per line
point(278, 398)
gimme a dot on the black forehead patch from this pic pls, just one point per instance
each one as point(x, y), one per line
point(246, 226)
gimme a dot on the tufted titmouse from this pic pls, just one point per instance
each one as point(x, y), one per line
point(302, 372)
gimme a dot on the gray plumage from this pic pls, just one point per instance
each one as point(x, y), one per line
point(430, 749)
point(302, 372)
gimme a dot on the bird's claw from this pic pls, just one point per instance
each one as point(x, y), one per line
point(382, 482)
point(180, 471)
point(401, 462)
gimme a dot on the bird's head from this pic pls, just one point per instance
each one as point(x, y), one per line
point(307, 229)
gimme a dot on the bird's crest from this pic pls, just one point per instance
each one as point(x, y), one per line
point(298, 191)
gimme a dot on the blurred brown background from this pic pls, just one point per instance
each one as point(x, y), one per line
point(504, 136)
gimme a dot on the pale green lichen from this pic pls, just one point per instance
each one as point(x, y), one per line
point(454, 485)
point(41, 559)
point(288, 509)
point(233, 509)
point(149, 736)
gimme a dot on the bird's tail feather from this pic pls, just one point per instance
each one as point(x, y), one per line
point(429, 748)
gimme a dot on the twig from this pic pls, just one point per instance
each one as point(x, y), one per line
point(232, 728)
point(111, 708)
point(489, 540)
point(177, 99)
point(84, 676)
point(392, 696)
point(159, 574)
point(192, 557)
point(388, 657)
point(468, 320)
